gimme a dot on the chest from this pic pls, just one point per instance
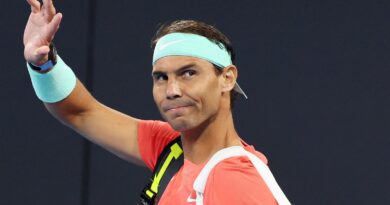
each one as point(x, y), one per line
point(180, 189)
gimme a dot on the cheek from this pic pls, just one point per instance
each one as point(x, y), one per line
point(157, 96)
point(210, 94)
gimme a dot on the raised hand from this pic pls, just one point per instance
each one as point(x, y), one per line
point(41, 27)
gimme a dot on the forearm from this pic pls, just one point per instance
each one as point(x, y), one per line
point(79, 102)
point(106, 127)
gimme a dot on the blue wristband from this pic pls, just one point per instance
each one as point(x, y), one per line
point(44, 67)
point(55, 85)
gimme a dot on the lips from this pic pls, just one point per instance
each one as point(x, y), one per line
point(175, 106)
point(172, 108)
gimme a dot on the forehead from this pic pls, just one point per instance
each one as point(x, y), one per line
point(172, 63)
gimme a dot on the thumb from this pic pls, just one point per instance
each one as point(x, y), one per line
point(43, 50)
point(39, 56)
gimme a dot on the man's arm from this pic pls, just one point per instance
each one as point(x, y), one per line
point(104, 126)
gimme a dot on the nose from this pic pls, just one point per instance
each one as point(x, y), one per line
point(173, 89)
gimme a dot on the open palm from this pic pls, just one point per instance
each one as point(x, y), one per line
point(41, 27)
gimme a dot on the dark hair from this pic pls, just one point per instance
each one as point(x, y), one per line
point(200, 28)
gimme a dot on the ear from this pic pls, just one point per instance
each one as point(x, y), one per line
point(229, 77)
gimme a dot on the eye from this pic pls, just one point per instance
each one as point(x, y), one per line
point(188, 73)
point(160, 77)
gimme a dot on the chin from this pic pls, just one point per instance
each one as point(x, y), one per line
point(180, 125)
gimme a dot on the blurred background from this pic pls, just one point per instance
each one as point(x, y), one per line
point(316, 73)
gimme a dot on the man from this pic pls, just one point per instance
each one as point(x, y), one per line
point(194, 83)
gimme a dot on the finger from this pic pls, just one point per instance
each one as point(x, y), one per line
point(49, 4)
point(53, 26)
point(48, 7)
point(35, 5)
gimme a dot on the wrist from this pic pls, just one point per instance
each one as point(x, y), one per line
point(53, 86)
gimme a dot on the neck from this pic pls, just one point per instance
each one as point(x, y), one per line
point(201, 143)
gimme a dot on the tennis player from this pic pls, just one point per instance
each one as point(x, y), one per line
point(194, 86)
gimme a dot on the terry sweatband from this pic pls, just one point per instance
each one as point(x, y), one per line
point(54, 85)
point(186, 44)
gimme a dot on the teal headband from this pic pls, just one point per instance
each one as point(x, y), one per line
point(187, 44)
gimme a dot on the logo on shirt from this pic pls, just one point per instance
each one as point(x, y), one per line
point(190, 199)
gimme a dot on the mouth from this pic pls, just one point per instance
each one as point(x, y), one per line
point(175, 108)
point(178, 106)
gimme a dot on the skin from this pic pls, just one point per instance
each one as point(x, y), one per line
point(189, 94)
point(195, 100)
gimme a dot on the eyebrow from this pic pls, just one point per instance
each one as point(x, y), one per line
point(179, 70)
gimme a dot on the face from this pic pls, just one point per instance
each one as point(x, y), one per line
point(186, 90)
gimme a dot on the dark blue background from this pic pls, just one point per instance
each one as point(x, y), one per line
point(316, 73)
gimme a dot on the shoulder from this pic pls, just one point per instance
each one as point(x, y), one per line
point(156, 131)
point(155, 127)
point(236, 181)
point(153, 136)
